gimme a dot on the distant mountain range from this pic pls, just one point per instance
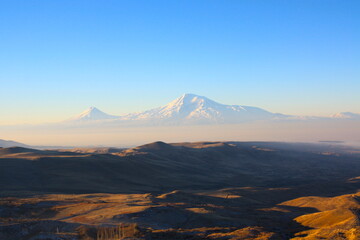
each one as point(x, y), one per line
point(191, 109)
point(347, 115)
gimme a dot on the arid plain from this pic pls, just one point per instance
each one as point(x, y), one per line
point(202, 190)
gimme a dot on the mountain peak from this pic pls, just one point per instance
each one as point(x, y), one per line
point(190, 109)
point(189, 99)
point(91, 114)
point(91, 109)
point(190, 95)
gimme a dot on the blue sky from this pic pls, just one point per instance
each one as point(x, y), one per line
point(59, 57)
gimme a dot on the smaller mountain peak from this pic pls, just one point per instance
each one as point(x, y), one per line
point(92, 108)
point(93, 113)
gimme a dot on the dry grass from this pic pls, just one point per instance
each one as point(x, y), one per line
point(338, 217)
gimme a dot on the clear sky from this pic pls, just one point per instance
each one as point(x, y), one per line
point(290, 56)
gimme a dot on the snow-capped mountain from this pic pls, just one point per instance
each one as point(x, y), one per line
point(347, 115)
point(191, 109)
point(194, 109)
point(92, 114)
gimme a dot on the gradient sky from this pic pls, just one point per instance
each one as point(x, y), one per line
point(59, 57)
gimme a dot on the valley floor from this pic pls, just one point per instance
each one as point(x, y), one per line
point(236, 213)
point(181, 191)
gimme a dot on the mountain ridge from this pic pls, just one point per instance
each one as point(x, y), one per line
point(346, 115)
point(192, 109)
point(9, 143)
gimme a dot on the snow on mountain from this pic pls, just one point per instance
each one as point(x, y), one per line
point(194, 109)
point(191, 109)
point(92, 114)
point(346, 115)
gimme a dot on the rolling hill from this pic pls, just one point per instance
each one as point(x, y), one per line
point(163, 167)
